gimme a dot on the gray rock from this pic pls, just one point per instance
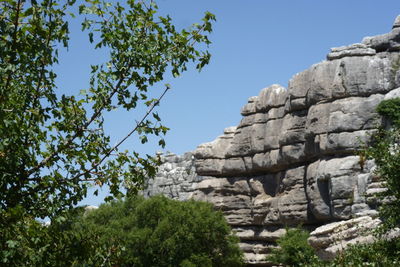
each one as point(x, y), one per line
point(273, 96)
point(272, 133)
point(218, 147)
point(207, 167)
point(240, 144)
point(294, 153)
point(321, 81)
point(296, 104)
point(259, 233)
point(293, 129)
point(300, 84)
point(293, 159)
point(257, 137)
point(250, 107)
point(396, 23)
point(350, 51)
point(269, 161)
point(344, 115)
point(395, 93)
point(273, 113)
point(363, 76)
point(293, 203)
point(318, 193)
point(332, 238)
point(176, 177)
point(343, 142)
point(233, 165)
point(385, 42)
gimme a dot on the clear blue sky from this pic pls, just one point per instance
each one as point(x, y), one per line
point(256, 43)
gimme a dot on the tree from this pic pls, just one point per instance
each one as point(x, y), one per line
point(53, 145)
point(385, 151)
point(161, 232)
point(27, 242)
point(294, 250)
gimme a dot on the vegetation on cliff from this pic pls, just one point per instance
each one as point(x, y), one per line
point(295, 251)
point(385, 151)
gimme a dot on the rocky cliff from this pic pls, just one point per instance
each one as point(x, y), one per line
point(293, 157)
point(176, 177)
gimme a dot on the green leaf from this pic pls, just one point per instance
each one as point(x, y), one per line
point(143, 139)
point(155, 115)
point(91, 37)
point(11, 243)
point(161, 143)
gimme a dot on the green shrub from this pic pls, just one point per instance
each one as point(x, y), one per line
point(390, 109)
point(162, 232)
point(26, 242)
point(135, 232)
point(382, 253)
point(21, 239)
point(294, 249)
point(384, 149)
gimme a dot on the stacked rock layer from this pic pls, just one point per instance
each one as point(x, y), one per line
point(293, 158)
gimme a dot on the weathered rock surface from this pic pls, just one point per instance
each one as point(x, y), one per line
point(293, 157)
point(334, 237)
point(176, 177)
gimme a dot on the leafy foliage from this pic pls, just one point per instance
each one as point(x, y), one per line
point(383, 253)
point(390, 109)
point(53, 146)
point(293, 249)
point(162, 232)
point(385, 151)
point(134, 232)
point(29, 243)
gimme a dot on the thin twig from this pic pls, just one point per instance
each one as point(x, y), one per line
point(138, 124)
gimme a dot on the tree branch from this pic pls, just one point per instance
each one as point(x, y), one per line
point(67, 142)
point(138, 124)
point(79, 132)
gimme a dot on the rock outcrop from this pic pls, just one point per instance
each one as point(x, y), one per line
point(176, 177)
point(293, 157)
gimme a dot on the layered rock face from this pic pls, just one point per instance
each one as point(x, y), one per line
point(293, 157)
point(176, 177)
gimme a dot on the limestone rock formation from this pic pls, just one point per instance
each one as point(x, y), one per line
point(293, 157)
point(331, 238)
point(176, 177)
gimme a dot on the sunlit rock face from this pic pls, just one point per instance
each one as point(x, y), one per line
point(293, 158)
point(176, 177)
